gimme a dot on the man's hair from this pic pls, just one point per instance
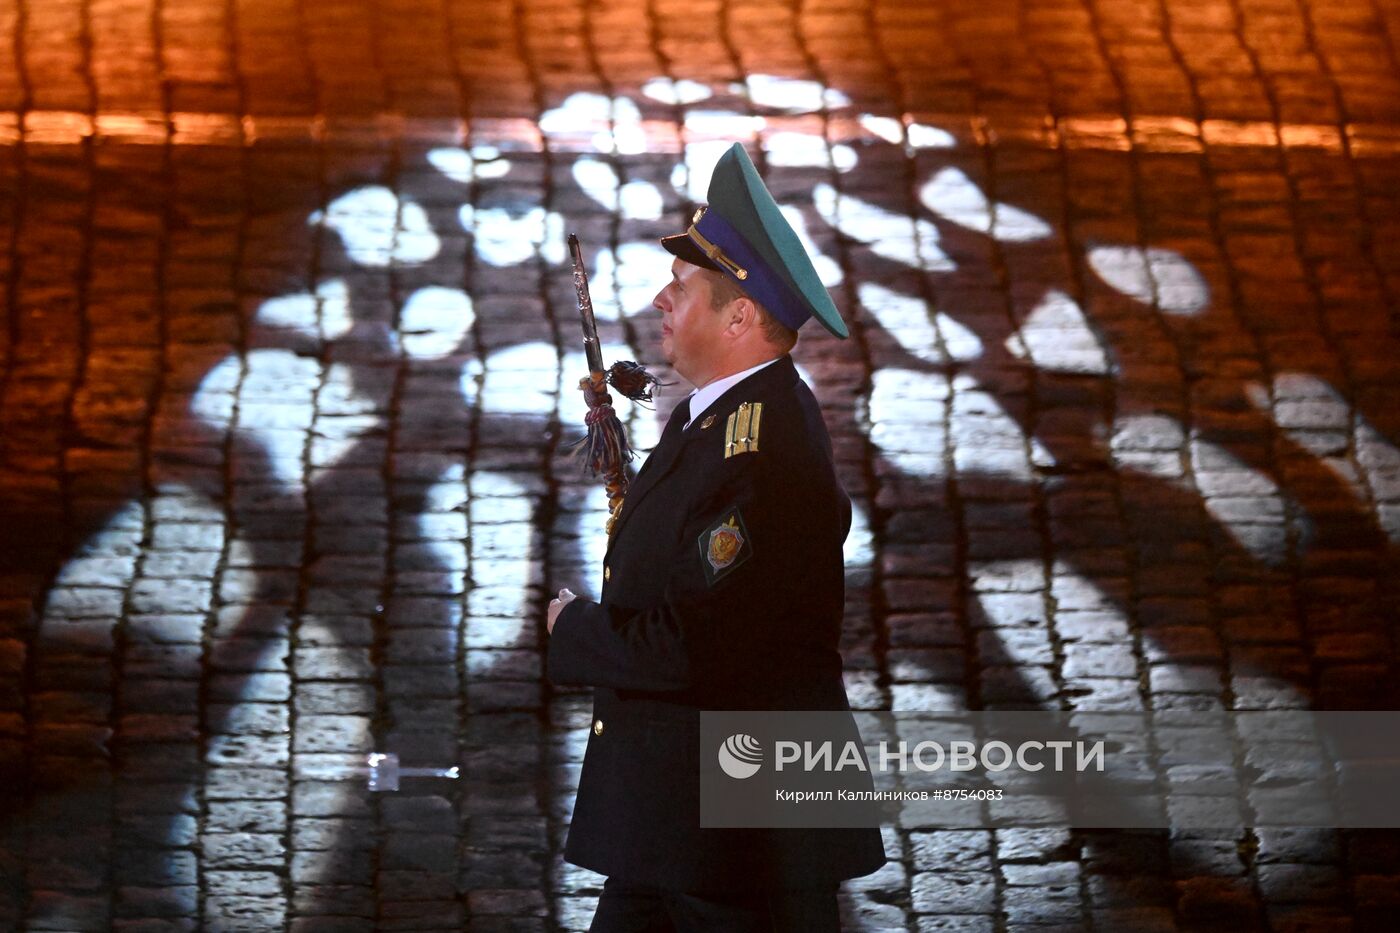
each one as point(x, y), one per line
point(723, 290)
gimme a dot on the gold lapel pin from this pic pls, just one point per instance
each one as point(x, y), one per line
point(709, 420)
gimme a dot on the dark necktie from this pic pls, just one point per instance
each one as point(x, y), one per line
point(679, 416)
point(671, 434)
point(662, 453)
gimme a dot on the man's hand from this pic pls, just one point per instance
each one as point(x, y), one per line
point(556, 606)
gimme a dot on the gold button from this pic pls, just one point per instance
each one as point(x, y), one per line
point(597, 727)
point(607, 573)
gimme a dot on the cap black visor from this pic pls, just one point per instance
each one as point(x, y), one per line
point(683, 247)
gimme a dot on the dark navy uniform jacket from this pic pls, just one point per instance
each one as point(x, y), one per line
point(723, 589)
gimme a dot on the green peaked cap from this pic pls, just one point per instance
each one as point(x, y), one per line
point(746, 224)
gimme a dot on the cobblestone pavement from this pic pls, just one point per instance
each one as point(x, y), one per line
point(287, 367)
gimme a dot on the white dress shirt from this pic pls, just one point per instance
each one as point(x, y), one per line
point(702, 398)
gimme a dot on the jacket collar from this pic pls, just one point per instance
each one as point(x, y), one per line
point(702, 400)
point(663, 459)
point(779, 375)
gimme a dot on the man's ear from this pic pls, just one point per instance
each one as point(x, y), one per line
point(743, 315)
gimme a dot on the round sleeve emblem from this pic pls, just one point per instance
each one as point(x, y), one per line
point(725, 544)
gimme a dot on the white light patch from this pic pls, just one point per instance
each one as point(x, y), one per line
point(1252, 507)
point(293, 312)
point(1011, 610)
point(281, 430)
point(603, 286)
point(116, 545)
point(326, 314)
point(1253, 512)
point(115, 548)
point(529, 380)
point(274, 405)
point(828, 269)
point(906, 318)
point(277, 375)
point(1009, 575)
point(793, 95)
point(627, 282)
point(593, 539)
point(897, 237)
point(887, 128)
point(923, 136)
point(807, 150)
point(213, 400)
point(859, 549)
point(640, 200)
point(469, 380)
point(1057, 337)
point(457, 164)
point(1158, 277)
point(580, 113)
point(335, 435)
point(1151, 444)
point(503, 567)
point(435, 322)
point(906, 411)
point(960, 342)
point(708, 135)
point(379, 229)
point(903, 317)
point(987, 440)
point(448, 553)
point(466, 167)
point(506, 239)
point(636, 200)
point(521, 380)
point(597, 180)
point(1076, 599)
point(667, 91)
point(1379, 460)
point(276, 408)
point(700, 159)
point(722, 126)
point(1310, 412)
point(953, 196)
point(612, 124)
point(919, 135)
point(1320, 413)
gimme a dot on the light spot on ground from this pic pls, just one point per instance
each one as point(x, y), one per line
point(379, 229)
point(953, 196)
point(1157, 277)
point(897, 237)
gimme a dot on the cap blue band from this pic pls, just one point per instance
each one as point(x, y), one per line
point(763, 284)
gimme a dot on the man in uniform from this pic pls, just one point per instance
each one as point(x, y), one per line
point(723, 588)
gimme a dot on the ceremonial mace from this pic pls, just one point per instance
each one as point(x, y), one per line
point(605, 450)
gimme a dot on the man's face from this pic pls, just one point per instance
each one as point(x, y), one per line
point(691, 327)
